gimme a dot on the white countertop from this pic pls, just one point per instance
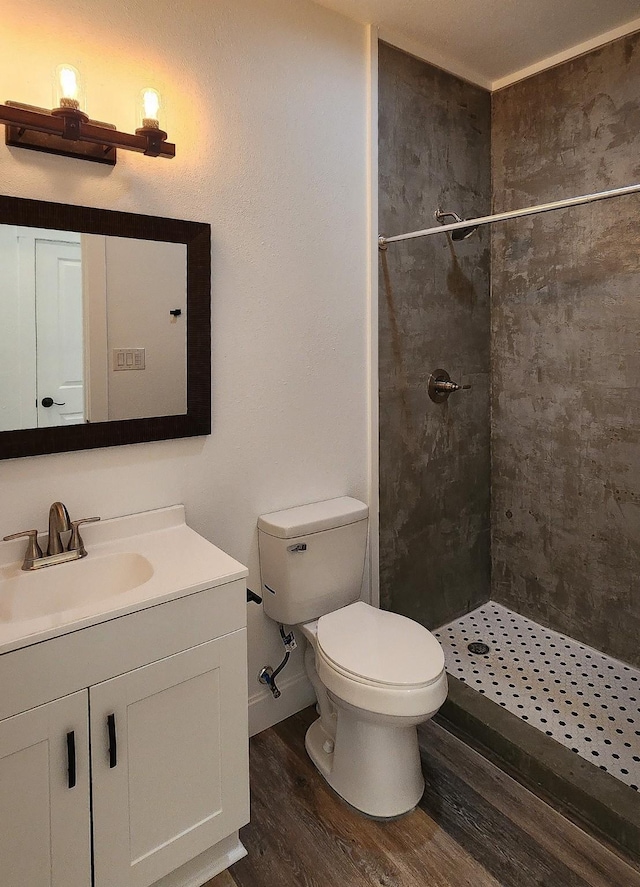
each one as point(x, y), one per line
point(182, 563)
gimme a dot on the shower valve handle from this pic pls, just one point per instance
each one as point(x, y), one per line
point(440, 386)
point(448, 387)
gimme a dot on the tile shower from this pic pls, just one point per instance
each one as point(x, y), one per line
point(511, 515)
point(584, 699)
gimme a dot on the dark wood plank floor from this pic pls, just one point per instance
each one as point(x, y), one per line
point(475, 827)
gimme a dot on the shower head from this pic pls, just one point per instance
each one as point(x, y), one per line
point(463, 233)
point(460, 233)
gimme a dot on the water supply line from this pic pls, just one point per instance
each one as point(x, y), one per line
point(267, 674)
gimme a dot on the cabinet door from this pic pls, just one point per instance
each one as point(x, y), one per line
point(169, 747)
point(45, 834)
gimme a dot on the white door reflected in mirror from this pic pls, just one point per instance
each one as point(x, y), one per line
point(58, 321)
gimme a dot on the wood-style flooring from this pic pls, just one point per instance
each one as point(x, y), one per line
point(475, 827)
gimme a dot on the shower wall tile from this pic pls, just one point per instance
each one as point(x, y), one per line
point(566, 351)
point(434, 141)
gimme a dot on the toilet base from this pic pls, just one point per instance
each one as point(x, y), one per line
point(374, 767)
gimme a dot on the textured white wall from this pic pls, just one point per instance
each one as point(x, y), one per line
point(267, 105)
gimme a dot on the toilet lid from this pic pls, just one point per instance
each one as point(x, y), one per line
point(379, 646)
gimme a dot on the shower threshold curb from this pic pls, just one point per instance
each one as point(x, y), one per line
point(589, 795)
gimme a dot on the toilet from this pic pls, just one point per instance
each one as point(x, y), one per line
point(376, 674)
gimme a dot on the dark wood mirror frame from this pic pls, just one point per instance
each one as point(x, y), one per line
point(197, 237)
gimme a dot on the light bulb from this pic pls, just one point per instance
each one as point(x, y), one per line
point(150, 108)
point(68, 83)
point(151, 103)
point(68, 88)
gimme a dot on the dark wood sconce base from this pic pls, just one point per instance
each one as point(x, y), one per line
point(38, 129)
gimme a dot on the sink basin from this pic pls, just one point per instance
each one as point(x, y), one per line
point(81, 583)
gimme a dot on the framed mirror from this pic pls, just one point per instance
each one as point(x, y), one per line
point(105, 328)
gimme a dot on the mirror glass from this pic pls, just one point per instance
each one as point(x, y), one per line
point(93, 328)
point(105, 331)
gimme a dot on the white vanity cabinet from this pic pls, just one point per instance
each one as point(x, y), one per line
point(45, 838)
point(124, 745)
point(167, 762)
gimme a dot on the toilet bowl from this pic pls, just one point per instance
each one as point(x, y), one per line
point(376, 674)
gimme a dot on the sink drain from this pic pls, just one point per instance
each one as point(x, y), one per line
point(478, 647)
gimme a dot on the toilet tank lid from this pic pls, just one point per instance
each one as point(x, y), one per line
point(313, 518)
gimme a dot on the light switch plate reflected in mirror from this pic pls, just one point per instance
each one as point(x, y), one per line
point(128, 359)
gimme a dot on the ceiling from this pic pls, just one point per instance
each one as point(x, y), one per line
point(495, 42)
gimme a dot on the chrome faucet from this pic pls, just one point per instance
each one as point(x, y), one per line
point(58, 523)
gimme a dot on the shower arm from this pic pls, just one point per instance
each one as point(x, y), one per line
point(512, 214)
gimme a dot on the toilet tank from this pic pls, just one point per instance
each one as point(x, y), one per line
point(312, 558)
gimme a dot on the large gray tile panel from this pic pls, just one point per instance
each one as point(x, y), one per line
point(434, 150)
point(566, 351)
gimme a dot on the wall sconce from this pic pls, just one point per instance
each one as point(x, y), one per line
point(67, 129)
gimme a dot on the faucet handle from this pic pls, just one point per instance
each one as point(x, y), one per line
point(75, 542)
point(33, 549)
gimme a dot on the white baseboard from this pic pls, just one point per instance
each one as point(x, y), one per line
point(265, 711)
point(207, 865)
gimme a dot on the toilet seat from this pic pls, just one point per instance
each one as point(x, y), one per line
point(380, 662)
point(367, 682)
point(377, 647)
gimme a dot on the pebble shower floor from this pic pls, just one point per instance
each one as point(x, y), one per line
point(582, 698)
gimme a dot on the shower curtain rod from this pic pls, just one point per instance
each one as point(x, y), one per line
point(513, 214)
